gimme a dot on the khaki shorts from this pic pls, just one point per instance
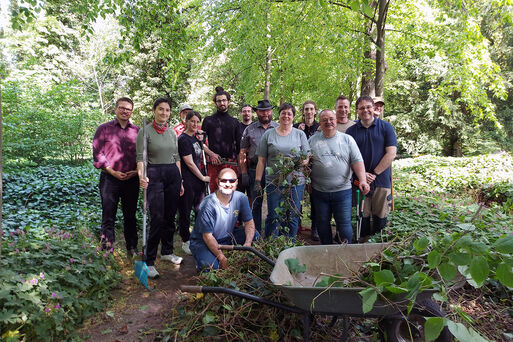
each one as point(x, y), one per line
point(379, 204)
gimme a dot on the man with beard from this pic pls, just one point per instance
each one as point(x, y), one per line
point(246, 114)
point(342, 110)
point(248, 159)
point(114, 153)
point(223, 136)
point(215, 223)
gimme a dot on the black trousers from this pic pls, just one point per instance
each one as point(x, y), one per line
point(163, 194)
point(111, 191)
point(194, 192)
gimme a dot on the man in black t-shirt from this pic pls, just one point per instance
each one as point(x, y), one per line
point(223, 136)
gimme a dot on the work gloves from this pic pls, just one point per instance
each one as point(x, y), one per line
point(257, 189)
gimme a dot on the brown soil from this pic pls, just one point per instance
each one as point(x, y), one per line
point(137, 314)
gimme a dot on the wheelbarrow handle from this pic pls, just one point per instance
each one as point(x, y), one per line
point(191, 288)
point(250, 249)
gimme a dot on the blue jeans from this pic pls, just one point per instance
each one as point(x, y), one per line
point(337, 204)
point(256, 202)
point(288, 221)
point(205, 259)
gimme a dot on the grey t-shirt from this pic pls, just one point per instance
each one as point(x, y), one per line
point(274, 146)
point(331, 161)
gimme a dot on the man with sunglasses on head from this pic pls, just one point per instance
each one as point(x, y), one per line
point(215, 223)
point(114, 153)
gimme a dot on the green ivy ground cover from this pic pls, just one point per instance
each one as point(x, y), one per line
point(52, 273)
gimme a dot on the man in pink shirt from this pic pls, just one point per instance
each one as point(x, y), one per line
point(182, 112)
point(114, 153)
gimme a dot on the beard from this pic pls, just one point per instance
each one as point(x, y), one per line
point(265, 120)
point(226, 191)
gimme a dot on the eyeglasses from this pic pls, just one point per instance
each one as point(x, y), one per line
point(125, 109)
point(221, 101)
point(227, 180)
point(366, 108)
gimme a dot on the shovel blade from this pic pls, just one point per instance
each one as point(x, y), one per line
point(141, 272)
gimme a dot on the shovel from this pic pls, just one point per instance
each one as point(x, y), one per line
point(141, 269)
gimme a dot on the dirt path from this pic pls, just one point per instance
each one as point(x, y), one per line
point(137, 314)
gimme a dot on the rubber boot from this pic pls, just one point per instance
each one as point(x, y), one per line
point(378, 224)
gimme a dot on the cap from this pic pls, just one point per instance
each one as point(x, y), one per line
point(379, 99)
point(184, 107)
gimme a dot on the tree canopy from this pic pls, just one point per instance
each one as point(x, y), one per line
point(444, 68)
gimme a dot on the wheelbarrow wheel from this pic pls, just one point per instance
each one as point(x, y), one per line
point(398, 329)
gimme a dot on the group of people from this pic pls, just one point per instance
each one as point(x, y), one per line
point(227, 157)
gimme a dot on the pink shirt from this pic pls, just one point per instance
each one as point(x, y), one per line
point(114, 146)
point(179, 129)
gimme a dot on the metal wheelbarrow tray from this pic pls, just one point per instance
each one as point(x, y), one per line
point(309, 300)
point(344, 260)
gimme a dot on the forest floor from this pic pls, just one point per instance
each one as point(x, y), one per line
point(137, 314)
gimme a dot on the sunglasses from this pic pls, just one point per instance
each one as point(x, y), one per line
point(227, 180)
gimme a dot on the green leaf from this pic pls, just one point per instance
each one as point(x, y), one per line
point(504, 274)
point(369, 296)
point(479, 269)
point(460, 259)
point(421, 244)
point(434, 258)
point(461, 333)
point(504, 245)
point(294, 266)
point(433, 327)
point(384, 277)
point(209, 317)
point(447, 271)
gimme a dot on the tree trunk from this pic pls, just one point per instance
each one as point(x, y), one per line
point(367, 87)
point(267, 86)
point(1, 184)
point(380, 48)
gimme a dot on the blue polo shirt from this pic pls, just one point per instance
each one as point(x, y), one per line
point(372, 142)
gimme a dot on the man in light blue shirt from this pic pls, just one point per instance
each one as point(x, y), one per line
point(215, 223)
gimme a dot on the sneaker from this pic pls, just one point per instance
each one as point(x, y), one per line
point(315, 235)
point(175, 259)
point(186, 247)
point(152, 272)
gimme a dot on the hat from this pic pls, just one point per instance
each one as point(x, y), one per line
point(378, 99)
point(263, 105)
point(184, 107)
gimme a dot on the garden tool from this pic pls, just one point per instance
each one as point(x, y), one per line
point(205, 166)
point(359, 213)
point(141, 269)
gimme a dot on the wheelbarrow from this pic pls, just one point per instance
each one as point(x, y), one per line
point(308, 299)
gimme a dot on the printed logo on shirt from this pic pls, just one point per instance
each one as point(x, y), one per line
point(236, 213)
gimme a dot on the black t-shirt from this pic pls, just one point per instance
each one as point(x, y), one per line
point(223, 134)
point(309, 131)
point(188, 145)
point(242, 127)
